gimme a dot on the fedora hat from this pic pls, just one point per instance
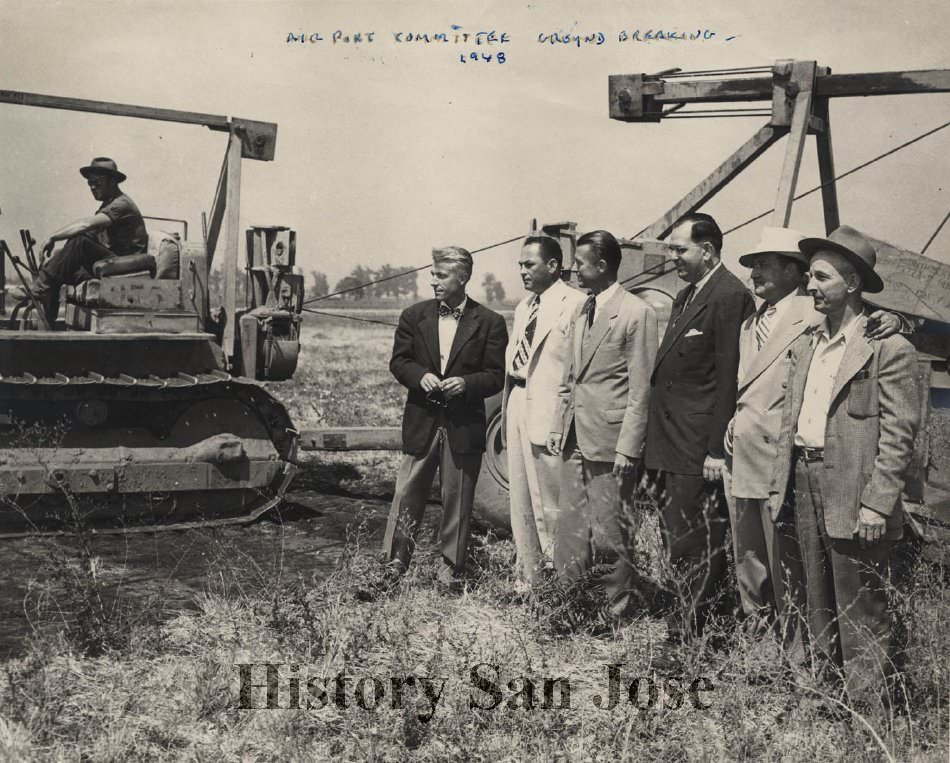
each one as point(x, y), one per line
point(783, 241)
point(855, 248)
point(102, 165)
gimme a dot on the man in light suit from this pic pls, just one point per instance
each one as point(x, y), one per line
point(449, 353)
point(768, 564)
point(848, 428)
point(693, 399)
point(602, 421)
point(534, 364)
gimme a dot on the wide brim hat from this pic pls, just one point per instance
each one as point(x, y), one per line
point(855, 248)
point(782, 241)
point(102, 165)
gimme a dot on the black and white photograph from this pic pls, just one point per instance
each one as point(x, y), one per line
point(541, 381)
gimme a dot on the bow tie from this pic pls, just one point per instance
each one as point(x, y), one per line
point(445, 311)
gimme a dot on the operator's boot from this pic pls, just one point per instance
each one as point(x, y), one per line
point(46, 292)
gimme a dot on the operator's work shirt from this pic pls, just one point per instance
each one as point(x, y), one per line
point(126, 233)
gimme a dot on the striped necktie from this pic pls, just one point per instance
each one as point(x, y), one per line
point(763, 324)
point(524, 346)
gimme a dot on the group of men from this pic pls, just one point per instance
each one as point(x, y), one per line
point(791, 422)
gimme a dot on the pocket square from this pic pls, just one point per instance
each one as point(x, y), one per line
point(692, 332)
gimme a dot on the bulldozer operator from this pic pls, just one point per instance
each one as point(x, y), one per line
point(116, 228)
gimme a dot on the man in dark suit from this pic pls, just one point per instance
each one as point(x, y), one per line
point(449, 352)
point(692, 401)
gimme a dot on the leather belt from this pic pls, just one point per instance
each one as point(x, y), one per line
point(515, 382)
point(809, 454)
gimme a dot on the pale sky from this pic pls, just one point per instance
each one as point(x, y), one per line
point(387, 149)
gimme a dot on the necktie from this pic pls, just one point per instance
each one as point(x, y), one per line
point(688, 297)
point(763, 324)
point(589, 306)
point(445, 311)
point(524, 346)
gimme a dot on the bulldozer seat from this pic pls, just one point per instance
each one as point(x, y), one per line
point(140, 264)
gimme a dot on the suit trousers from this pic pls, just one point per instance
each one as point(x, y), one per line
point(458, 473)
point(693, 523)
point(768, 561)
point(596, 523)
point(849, 621)
point(534, 479)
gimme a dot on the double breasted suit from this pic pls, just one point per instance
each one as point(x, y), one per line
point(693, 398)
point(694, 379)
point(872, 420)
point(448, 438)
point(604, 399)
point(529, 408)
point(768, 565)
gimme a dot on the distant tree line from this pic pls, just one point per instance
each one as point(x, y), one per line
point(361, 279)
point(359, 284)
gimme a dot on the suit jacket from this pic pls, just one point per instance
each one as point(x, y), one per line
point(548, 356)
point(694, 379)
point(477, 355)
point(763, 379)
point(869, 435)
point(605, 392)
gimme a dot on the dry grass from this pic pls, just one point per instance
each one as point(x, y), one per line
point(171, 691)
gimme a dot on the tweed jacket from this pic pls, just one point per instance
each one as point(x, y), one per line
point(872, 421)
point(694, 380)
point(763, 379)
point(548, 356)
point(605, 392)
point(477, 355)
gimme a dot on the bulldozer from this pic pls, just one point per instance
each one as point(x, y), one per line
point(142, 407)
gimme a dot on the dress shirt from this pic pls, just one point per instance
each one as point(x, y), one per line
point(782, 307)
point(702, 282)
point(604, 297)
point(448, 325)
point(820, 383)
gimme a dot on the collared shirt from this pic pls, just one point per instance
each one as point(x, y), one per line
point(820, 383)
point(783, 306)
point(448, 325)
point(604, 297)
point(703, 281)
